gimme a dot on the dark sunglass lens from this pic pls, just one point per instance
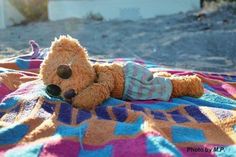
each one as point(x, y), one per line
point(53, 90)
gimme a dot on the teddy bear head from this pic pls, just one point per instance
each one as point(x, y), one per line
point(66, 70)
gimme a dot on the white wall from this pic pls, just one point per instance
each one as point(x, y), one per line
point(9, 15)
point(121, 9)
point(2, 20)
point(12, 15)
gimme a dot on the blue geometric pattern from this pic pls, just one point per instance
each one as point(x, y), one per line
point(158, 144)
point(159, 115)
point(102, 113)
point(13, 133)
point(128, 129)
point(68, 131)
point(197, 114)
point(112, 102)
point(179, 118)
point(65, 113)
point(120, 114)
point(1, 114)
point(30, 151)
point(137, 108)
point(8, 103)
point(50, 108)
point(184, 134)
point(160, 106)
point(82, 115)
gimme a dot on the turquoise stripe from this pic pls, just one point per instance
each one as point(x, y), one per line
point(68, 131)
point(22, 64)
point(140, 90)
point(144, 90)
point(160, 106)
point(27, 151)
point(134, 86)
point(158, 144)
point(127, 81)
point(185, 134)
point(13, 134)
point(9, 103)
point(129, 129)
point(112, 102)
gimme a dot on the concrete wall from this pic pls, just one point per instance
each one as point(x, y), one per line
point(9, 15)
point(2, 17)
point(118, 9)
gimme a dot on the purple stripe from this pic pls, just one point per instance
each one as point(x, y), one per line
point(60, 148)
point(4, 91)
point(151, 91)
point(132, 84)
point(140, 90)
point(35, 64)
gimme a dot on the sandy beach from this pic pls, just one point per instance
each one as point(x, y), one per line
point(181, 40)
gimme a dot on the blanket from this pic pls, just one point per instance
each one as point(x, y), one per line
point(34, 124)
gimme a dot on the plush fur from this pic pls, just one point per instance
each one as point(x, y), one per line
point(95, 83)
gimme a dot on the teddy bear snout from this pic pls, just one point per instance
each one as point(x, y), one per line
point(69, 94)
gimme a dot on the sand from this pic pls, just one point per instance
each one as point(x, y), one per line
point(181, 40)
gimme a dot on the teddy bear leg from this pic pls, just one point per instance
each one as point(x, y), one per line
point(187, 86)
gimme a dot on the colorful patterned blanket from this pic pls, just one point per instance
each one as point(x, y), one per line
point(33, 124)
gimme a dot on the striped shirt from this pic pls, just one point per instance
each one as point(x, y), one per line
point(141, 85)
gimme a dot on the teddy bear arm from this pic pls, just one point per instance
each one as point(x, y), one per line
point(96, 93)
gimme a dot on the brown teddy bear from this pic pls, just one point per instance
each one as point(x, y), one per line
point(67, 73)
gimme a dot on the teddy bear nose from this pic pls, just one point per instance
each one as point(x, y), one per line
point(69, 94)
point(53, 90)
point(64, 71)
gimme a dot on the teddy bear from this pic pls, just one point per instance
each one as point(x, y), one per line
point(68, 74)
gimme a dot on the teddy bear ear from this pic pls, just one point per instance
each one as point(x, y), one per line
point(68, 46)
